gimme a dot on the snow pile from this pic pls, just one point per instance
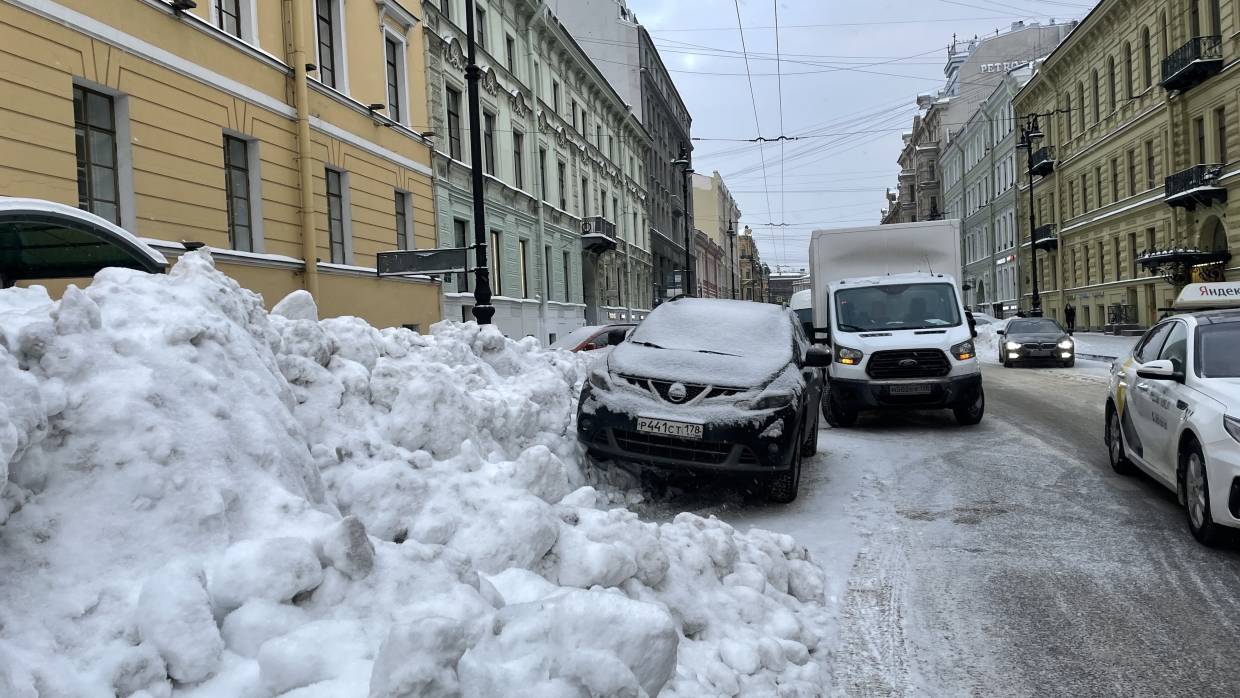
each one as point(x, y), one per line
point(987, 343)
point(204, 499)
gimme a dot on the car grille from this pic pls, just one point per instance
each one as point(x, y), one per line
point(1049, 346)
point(641, 444)
point(692, 391)
point(929, 363)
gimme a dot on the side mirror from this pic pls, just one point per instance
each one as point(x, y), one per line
point(1160, 370)
point(616, 336)
point(1000, 332)
point(818, 356)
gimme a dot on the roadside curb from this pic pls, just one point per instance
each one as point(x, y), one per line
point(1096, 357)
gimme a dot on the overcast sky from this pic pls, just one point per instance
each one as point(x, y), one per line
point(851, 72)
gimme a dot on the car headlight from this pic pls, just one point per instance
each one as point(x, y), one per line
point(1232, 425)
point(767, 401)
point(1012, 346)
point(1066, 344)
point(848, 357)
point(599, 379)
point(964, 350)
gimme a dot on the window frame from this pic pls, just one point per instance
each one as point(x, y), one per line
point(452, 108)
point(402, 204)
point(339, 51)
point(401, 66)
point(488, 142)
point(253, 173)
point(518, 159)
point(84, 130)
point(346, 228)
point(495, 252)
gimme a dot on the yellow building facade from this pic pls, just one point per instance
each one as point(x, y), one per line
point(271, 131)
point(1139, 113)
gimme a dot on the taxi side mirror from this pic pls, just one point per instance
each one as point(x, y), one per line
point(1160, 370)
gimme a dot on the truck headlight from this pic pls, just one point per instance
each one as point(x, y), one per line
point(1232, 425)
point(848, 357)
point(1066, 345)
point(964, 350)
point(1012, 346)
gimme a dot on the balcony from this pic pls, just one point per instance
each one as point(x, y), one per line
point(1198, 185)
point(598, 234)
point(1044, 238)
point(1044, 160)
point(1192, 63)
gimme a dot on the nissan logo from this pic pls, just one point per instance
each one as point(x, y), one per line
point(908, 363)
point(677, 392)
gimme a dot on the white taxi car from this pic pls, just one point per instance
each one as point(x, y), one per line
point(1173, 408)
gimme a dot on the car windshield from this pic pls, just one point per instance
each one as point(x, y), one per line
point(738, 328)
point(897, 307)
point(1037, 326)
point(1216, 350)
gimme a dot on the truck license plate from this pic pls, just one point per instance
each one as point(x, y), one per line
point(666, 427)
point(910, 389)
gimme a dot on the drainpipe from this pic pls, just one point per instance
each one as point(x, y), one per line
point(301, 93)
point(626, 289)
point(540, 218)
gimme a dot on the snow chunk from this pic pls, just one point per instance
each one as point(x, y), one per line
point(174, 614)
point(515, 585)
point(315, 652)
point(346, 547)
point(276, 569)
point(257, 621)
point(419, 659)
point(298, 305)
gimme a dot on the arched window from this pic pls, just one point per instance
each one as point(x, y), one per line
point(1147, 68)
point(1127, 70)
point(1067, 107)
point(1111, 80)
point(1097, 96)
point(1080, 102)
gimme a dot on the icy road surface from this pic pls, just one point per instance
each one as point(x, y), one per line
point(1006, 559)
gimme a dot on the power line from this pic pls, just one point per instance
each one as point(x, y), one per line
point(753, 100)
point(780, 86)
point(828, 25)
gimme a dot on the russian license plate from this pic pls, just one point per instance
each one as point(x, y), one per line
point(667, 427)
point(909, 389)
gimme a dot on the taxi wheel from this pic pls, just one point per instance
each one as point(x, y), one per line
point(1197, 496)
point(783, 489)
point(1115, 444)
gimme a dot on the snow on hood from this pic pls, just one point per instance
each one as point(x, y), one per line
point(710, 342)
point(201, 498)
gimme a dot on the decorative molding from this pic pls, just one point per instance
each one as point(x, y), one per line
point(489, 82)
point(454, 54)
point(519, 106)
point(404, 18)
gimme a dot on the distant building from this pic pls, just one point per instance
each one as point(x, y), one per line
point(716, 214)
point(754, 275)
point(783, 284)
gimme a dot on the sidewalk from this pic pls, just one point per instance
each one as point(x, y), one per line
point(1094, 345)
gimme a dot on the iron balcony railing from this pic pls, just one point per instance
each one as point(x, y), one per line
point(598, 225)
point(1044, 160)
point(1197, 185)
point(1044, 237)
point(1193, 62)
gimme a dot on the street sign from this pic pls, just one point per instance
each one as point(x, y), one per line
point(446, 260)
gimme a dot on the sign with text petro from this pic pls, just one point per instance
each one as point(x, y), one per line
point(1001, 67)
point(445, 260)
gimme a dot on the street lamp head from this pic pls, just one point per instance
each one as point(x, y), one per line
point(680, 162)
point(1033, 132)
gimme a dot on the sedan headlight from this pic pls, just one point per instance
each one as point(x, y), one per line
point(1066, 345)
point(848, 357)
point(767, 401)
point(1012, 346)
point(1232, 425)
point(599, 379)
point(964, 350)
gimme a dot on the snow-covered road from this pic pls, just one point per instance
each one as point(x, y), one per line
point(1006, 559)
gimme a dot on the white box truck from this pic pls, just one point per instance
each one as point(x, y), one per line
point(886, 299)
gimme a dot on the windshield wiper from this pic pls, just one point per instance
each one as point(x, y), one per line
point(720, 353)
point(652, 345)
point(852, 328)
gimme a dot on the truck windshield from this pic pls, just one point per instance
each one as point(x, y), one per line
point(1216, 350)
point(897, 307)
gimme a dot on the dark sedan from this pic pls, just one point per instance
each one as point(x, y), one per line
point(1036, 340)
point(709, 385)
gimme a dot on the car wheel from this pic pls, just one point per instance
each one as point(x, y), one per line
point(1197, 496)
point(809, 447)
point(970, 414)
point(1115, 444)
point(783, 488)
point(836, 414)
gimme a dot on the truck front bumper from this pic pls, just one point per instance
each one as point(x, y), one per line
point(951, 391)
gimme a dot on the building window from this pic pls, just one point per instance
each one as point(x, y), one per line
point(460, 233)
point(1067, 117)
point(1147, 67)
point(510, 52)
point(522, 257)
point(237, 182)
point(1114, 179)
point(494, 255)
point(562, 183)
point(1127, 70)
point(488, 143)
point(327, 24)
point(555, 96)
point(335, 217)
point(518, 159)
point(480, 27)
point(1098, 186)
point(585, 197)
point(1097, 98)
point(228, 16)
point(1115, 258)
point(1220, 123)
point(1084, 193)
point(542, 173)
point(453, 97)
point(98, 176)
point(568, 285)
point(1216, 18)
point(1080, 101)
point(546, 263)
point(394, 55)
point(1132, 172)
point(1149, 163)
point(402, 220)
point(573, 104)
point(1111, 81)
point(445, 7)
point(1132, 255)
point(1162, 32)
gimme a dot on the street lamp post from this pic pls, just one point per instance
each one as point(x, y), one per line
point(732, 256)
point(686, 172)
point(483, 310)
point(1029, 135)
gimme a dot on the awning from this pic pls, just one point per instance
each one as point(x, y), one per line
point(46, 240)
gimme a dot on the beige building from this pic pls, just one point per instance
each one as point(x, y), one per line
point(203, 125)
point(754, 275)
point(1133, 176)
point(715, 214)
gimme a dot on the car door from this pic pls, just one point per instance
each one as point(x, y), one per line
point(1131, 399)
point(1162, 400)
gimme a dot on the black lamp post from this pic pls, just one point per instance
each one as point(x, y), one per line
point(732, 255)
point(1029, 135)
point(686, 172)
point(483, 310)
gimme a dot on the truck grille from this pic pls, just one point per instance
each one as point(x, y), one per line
point(917, 363)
